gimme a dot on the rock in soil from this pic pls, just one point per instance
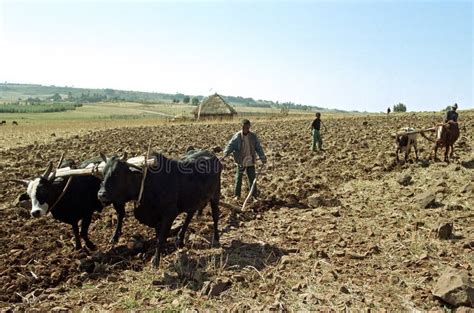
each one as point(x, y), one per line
point(455, 288)
point(445, 230)
point(425, 199)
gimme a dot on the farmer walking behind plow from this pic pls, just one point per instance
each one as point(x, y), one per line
point(245, 146)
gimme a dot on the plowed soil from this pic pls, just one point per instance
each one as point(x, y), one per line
point(330, 230)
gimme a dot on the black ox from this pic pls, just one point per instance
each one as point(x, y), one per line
point(170, 188)
point(78, 202)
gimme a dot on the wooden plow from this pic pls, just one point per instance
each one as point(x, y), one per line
point(421, 132)
point(98, 168)
point(252, 188)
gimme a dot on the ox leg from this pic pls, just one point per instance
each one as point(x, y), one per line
point(86, 221)
point(77, 239)
point(162, 232)
point(436, 152)
point(120, 209)
point(452, 152)
point(446, 152)
point(215, 219)
point(398, 150)
point(182, 231)
point(416, 153)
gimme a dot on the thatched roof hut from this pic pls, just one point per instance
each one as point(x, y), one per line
point(214, 107)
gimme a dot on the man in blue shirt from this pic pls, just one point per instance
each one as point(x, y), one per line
point(245, 146)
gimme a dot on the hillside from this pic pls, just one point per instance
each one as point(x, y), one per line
point(15, 92)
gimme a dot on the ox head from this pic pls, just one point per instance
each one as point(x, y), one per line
point(402, 139)
point(39, 192)
point(118, 180)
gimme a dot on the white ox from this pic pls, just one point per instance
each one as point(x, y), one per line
point(405, 140)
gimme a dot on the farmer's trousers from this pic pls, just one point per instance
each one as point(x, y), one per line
point(238, 179)
point(317, 140)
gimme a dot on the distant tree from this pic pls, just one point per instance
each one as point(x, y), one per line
point(109, 92)
point(175, 100)
point(195, 101)
point(399, 107)
point(33, 101)
point(56, 97)
point(186, 99)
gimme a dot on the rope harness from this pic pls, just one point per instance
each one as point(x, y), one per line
point(142, 184)
point(426, 137)
point(61, 195)
point(137, 202)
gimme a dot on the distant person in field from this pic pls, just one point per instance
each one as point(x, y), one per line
point(452, 115)
point(316, 133)
point(388, 110)
point(245, 146)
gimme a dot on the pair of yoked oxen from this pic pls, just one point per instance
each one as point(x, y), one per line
point(164, 191)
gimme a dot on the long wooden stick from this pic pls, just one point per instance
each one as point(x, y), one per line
point(250, 193)
point(426, 137)
point(416, 131)
point(252, 188)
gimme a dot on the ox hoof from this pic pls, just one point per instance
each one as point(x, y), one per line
point(215, 244)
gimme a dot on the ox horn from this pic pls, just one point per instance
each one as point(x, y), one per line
point(48, 170)
point(61, 159)
point(104, 158)
point(52, 176)
point(23, 182)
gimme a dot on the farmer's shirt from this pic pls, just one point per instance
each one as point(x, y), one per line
point(247, 159)
point(236, 147)
point(316, 124)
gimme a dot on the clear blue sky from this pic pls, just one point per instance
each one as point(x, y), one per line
point(353, 55)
